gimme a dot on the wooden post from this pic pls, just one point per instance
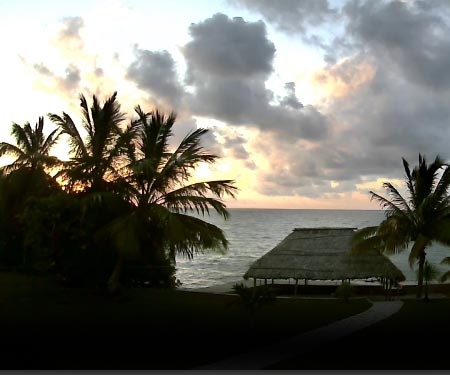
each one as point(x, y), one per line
point(254, 286)
point(296, 286)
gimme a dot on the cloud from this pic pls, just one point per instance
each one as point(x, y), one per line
point(68, 83)
point(344, 77)
point(290, 100)
point(234, 48)
point(371, 129)
point(72, 78)
point(385, 89)
point(155, 72)
point(71, 29)
point(41, 69)
point(69, 37)
point(387, 99)
point(233, 90)
point(236, 145)
point(412, 39)
point(291, 16)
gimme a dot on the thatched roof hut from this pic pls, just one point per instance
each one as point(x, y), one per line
point(322, 254)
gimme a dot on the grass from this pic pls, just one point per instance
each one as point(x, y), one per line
point(412, 339)
point(45, 326)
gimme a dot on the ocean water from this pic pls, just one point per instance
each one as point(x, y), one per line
point(253, 232)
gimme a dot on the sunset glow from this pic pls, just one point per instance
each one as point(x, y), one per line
point(308, 107)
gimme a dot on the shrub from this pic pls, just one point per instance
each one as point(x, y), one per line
point(251, 299)
point(345, 291)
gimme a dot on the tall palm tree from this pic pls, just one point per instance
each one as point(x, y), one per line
point(94, 161)
point(430, 273)
point(160, 189)
point(32, 147)
point(420, 219)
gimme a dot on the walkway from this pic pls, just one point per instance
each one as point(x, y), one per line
point(307, 341)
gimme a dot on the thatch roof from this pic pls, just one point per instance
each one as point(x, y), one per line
point(321, 254)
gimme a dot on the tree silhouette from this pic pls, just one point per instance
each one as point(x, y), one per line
point(158, 186)
point(421, 218)
point(32, 147)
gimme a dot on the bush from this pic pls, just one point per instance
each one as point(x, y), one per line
point(252, 299)
point(345, 291)
point(145, 276)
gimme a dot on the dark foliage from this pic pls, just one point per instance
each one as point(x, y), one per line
point(116, 212)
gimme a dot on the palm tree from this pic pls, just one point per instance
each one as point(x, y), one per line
point(23, 182)
point(94, 161)
point(430, 273)
point(420, 219)
point(160, 190)
point(32, 147)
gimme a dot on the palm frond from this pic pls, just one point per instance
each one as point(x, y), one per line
point(183, 161)
point(424, 178)
point(418, 248)
point(443, 185)
point(194, 197)
point(387, 205)
point(22, 136)
point(50, 141)
point(396, 198)
point(86, 115)
point(9, 149)
point(67, 126)
point(187, 236)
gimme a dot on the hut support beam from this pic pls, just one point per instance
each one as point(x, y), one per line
point(296, 287)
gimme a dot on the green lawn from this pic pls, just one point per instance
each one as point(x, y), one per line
point(45, 326)
point(415, 338)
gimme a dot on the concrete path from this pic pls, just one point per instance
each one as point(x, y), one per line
point(307, 341)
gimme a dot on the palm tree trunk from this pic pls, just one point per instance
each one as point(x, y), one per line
point(114, 279)
point(420, 275)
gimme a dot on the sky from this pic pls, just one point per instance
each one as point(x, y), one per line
point(310, 103)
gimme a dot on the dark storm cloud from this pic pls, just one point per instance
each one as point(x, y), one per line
point(292, 16)
point(410, 39)
point(241, 102)
point(222, 46)
point(392, 117)
point(290, 100)
point(398, 110)
point(237, 148)
point(229, 61)
point(377, 128)
point(156, 72)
